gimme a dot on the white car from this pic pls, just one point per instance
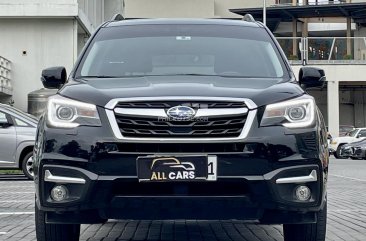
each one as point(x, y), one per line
point(355, 135)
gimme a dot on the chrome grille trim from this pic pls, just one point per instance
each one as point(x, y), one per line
point(112, 103)
point(162, 113)
point(251, 115)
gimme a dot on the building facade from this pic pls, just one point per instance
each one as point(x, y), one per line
point(36, 34)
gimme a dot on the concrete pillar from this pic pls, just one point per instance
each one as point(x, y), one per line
point(294, 35)
point(349, 35)
point(333, 107)
point(359, 108)
point(75, 40)
point(305, 29)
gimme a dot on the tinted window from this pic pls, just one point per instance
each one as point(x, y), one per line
point(353, 133)
point(19, 122)
point(21, 113)
point(182, 49)
point(362, 133)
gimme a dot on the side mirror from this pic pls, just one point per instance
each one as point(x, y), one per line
point(358, 136)
point(311, 77)
point(53, 78)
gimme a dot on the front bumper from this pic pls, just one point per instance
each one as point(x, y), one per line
point(245, 189)
point(346, 152)
point(359, 153)
point(268, 198)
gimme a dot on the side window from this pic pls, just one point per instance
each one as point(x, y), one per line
point(3, 118)
point(362, 133)
point(19, 122)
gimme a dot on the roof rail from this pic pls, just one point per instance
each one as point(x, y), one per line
point(248, 18)
point(117, 17)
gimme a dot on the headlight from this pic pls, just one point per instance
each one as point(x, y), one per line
point(334, 142)
point(296, 113)
point(66, 113)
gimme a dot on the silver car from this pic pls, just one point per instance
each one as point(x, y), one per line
point(17, 137)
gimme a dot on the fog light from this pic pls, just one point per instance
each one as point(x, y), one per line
point(59, 193)
point(302, 193)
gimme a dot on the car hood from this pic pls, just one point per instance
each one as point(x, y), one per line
point(100, 91)
point(347, 139)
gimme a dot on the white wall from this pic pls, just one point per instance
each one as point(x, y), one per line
point(94, 10)
point(169, 8)
point(187, 8)
point(222, 6)
point(41, 8)
point(48, 42)
point(112, 7)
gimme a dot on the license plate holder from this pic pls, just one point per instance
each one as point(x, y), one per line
point(177, 168)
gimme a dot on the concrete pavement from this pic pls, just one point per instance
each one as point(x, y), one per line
point(346, 215)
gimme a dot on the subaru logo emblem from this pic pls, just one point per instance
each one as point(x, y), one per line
point(181, 112)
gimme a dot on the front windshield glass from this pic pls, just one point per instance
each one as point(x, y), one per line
point(154, 50)
point(353, 133)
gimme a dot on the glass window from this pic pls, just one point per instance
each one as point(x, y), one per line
point(228, 51)
point(362, 133)
point(353, 133)
point(19, 122)
point(3, 118)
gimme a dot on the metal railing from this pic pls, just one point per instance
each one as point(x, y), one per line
point(5, 77)
point(324, 50)
point(310, 2)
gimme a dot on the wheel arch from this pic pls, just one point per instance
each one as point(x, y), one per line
point(23, 150)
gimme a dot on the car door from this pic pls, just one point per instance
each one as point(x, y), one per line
point(361, 134)
point(7, 141)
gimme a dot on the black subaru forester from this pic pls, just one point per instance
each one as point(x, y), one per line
point(181, 119)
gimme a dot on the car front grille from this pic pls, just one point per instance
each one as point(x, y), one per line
point(210, 127)
point(144, 125)
point(222, 187)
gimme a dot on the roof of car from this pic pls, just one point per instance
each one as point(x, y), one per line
point(197, 21)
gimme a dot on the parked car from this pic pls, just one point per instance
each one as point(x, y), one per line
point(357, 134)
point(359, 152)
point(345, 129)
point(355, 150)
point(329, 140)
point(17, 136)
point(182, 119)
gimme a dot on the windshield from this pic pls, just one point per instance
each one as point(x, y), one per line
point(154, 50)
point(353, 133)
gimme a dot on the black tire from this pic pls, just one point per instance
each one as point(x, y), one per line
point(307, 232)
point(27, 167)
point(355, 158)
point(337, 153)
point(54, 232)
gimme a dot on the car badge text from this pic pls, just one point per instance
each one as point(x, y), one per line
point(178, 170)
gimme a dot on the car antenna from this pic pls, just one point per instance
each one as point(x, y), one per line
point(248, 18)
point(117, 17)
